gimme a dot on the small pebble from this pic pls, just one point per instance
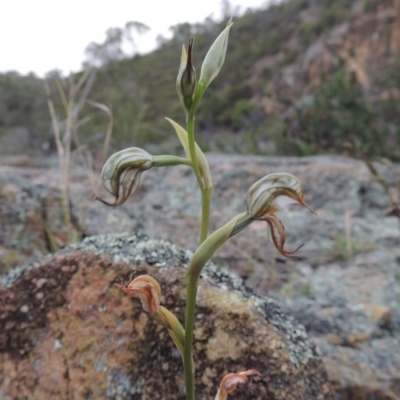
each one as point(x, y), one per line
point(40, 282)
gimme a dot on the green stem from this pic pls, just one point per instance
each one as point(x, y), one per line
point(213, 243)
point(205, 251)
point(191, 293)
point(206, 192)
point(192, 149)
point(169, 161)
point(205, 212)
point(191, 282)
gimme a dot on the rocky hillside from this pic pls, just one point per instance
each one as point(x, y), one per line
point(300, 77)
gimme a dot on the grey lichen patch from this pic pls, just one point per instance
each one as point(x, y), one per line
point(137, 249)
point(12, 275)
point(137, 388)
point(119, 386)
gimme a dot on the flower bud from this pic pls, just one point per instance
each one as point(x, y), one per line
point(122, 171)
point(230, 381)
point(215, 57)
point(186, 82)
point(268, 196)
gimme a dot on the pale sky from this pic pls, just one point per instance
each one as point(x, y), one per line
point(41, 35)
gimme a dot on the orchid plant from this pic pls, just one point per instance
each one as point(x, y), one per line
point(121, 177)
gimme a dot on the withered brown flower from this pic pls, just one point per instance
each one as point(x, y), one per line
point(147, 290)
point(230, 381)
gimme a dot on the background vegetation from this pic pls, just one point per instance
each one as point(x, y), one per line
point(336, 115)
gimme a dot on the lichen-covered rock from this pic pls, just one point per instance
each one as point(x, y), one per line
point(30, 211)
point(168, 202)
point(32, 222)
point(66, 332)
point(352, 268)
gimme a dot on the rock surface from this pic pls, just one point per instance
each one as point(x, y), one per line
point(346, 293)
point(68, 333)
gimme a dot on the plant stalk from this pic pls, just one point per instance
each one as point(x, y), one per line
point(192, 149)
point(191, 293)
point(206, 192)
point(191, 282)
point(204, 253)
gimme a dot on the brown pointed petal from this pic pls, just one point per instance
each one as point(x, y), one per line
point(277, 235)
point(129, 183)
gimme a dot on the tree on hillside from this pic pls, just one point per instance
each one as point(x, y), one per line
point(119, 44)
